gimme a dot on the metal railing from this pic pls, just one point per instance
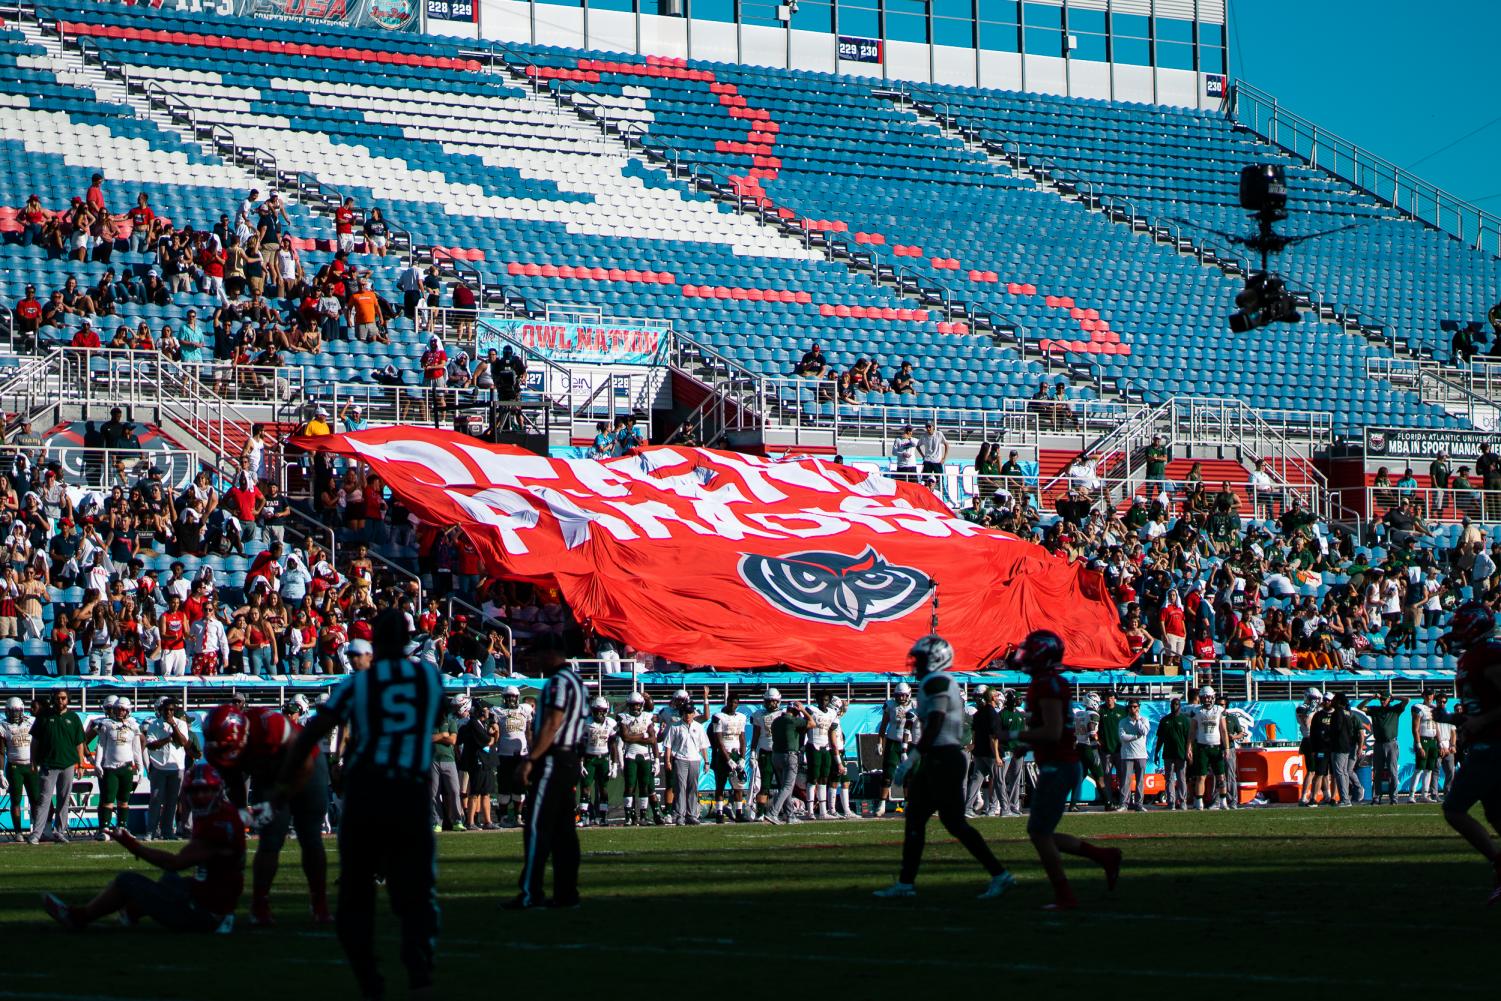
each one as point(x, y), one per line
point(1431, 505)
point(1473, 391)
point(101, 468)
point(490, 620)
point(1263, 114)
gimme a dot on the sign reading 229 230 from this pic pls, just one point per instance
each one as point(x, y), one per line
point(859, 50)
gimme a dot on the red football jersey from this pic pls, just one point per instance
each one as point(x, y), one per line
point(218, 883)
point(1045, 687)
point(271, 734)
point(1476, 692)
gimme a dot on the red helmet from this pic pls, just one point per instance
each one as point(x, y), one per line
point(204, 789)
point(1041, 651)
point(1473, 621)
point(225, 734)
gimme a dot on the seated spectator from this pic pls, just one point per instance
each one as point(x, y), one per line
point(85, 337)
point(812, 365)
point(27, 315)
point(77, 301)
point(901, 381)
point(33, 219)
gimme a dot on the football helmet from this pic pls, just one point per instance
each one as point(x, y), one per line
point(635, 701)
point(772, 699)
point(14, 709)
point(204, 788)
point(600, 707)
point(511, 697)
point(1042, 650)
point(929, 654)
point(108, 704)
point(121, 709)
point(1092, 701)
point(226, 731)
point(1472, 622)
point(903, 693)
point(680, 698)
point(297, 705)
point(1313, 695)
point(1206, 695)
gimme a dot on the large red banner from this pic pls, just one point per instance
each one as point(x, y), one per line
point(710, 557)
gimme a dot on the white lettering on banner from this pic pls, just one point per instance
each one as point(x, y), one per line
point(506, 512)
point(823, 524)
point(573, 521)
point(650, 516)
point(510, 469)
point(726, 524)
point(598, 478)
point(446, 467)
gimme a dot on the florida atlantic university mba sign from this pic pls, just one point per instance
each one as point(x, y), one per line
point(576, 343)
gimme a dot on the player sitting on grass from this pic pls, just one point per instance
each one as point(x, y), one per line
point(204, 902)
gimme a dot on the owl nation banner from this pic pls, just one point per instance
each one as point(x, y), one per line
point(737, 561)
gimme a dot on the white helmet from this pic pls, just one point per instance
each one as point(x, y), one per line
point(122, 704)
point(600, 702)
point(772, 695)
point(635, 699)
point(1092, 701)
point(681, 695)
point(1313, 695)
point(15, 705)
point(109, 702)
point(297, 704)
point(1207, 692)
point(836, 703)
point(930, 655)
point(903, 690)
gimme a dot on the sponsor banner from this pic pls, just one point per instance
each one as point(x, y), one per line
point(859, 50)
point(393, 15)
point(577, 343)
point(1426, 443)
point(739, 561)
point(466, 11)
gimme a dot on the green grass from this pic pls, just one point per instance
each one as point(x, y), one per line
point(1377, 899)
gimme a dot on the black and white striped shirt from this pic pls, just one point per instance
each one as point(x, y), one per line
point(391, 710)
point(564, 691)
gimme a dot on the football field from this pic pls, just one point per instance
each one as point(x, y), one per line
point(1381, 899)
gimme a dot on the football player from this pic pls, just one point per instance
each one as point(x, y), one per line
point(600, 764)
point(761, 721)
point(1477, 681)
point(21, 776)
point(818, 758)
point(1206, 752)
point(1086, 724)
point(119, 759)
point(1058, 771)
point(727, 760)
point(639, 743)
point(1313, 701)
point(839, 790)
point(215, 853)
point(247, 746)
point(1425, 750)
point(935, 780)
point(898, 727)
point(515, 719)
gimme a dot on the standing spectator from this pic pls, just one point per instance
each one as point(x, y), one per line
point(904, 455)
point(409, 283)
point(1438, 481)
point(1132, 730)
point(145, 227)
point(94, 197)
point(60, 752)
point(687, 746)
point(985, 771)
point(934, 449)
point(33, 595)
point(1171, 747)
point(365, 312)
point(1488, 468)
point(168, 743)
point(443, 781)
point(345, 217)
point(1263, 498)
point(1157, 456)
point(435, 371)
point(464, 311)
point(376, 233)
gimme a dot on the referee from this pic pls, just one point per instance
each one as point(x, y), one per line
point(550, 770)
point(391, 711)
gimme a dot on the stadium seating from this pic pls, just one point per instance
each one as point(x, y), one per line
point(1172, 164)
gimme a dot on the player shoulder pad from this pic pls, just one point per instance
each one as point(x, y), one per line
point(937, 683)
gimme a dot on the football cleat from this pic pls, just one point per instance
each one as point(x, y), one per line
point(999, 884)
point(897, 890)
point(59, 911)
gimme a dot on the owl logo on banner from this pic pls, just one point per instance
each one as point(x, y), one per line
point(836, 589)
